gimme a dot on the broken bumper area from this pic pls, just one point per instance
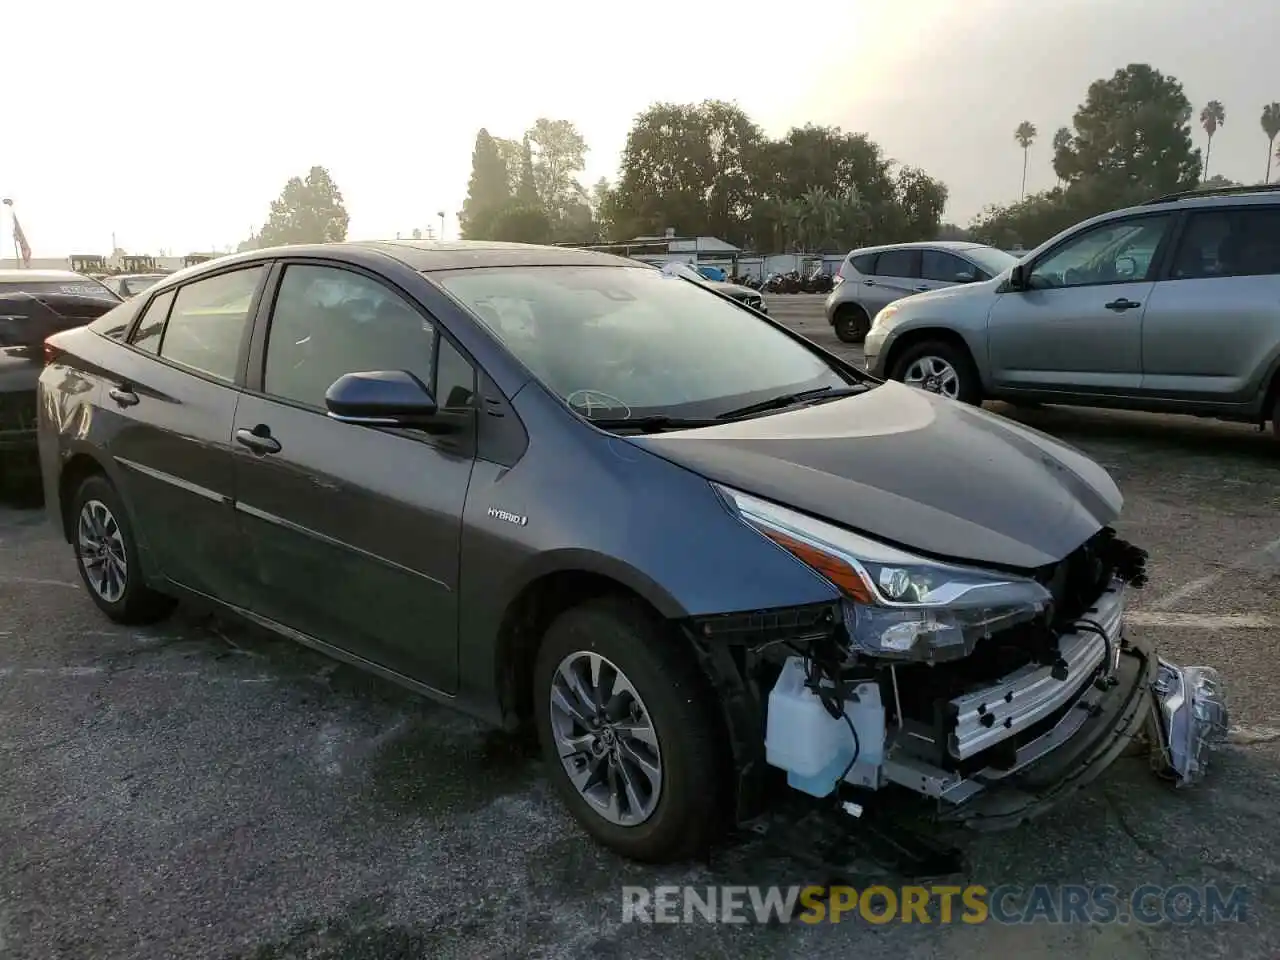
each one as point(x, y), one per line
point(1190, 714)
point(1179, 711)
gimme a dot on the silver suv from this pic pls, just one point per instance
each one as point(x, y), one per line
point(873, 277)
point(1171, 306)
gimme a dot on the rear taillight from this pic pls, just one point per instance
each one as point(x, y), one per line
point(51, 353)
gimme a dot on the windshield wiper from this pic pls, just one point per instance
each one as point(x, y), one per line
point(652, 424)
point(788, 399)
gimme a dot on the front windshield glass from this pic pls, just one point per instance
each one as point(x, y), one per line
point(630, 342)
point(994, 261)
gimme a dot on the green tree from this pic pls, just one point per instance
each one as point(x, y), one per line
point(308, 211)
point(527, 189)
point(920, 200)
point(488, 190)
point(1025, 135)
point(688, 167)
point(1212, 116)
point(1271, 127)
point(521, 223)
point(808, 158)
point(559, 154)
point(1062, 138)
point(1217, 182)
point(512, 153)
point(1132, 138)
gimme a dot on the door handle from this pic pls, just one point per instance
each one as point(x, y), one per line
point(1121, 305)
point(123, 395)
point(868, 283)
point(922, 288)
point(259, 439)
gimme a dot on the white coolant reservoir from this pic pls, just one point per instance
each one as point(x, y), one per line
point(814, 747)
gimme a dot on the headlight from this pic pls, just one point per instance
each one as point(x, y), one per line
point(883, 318)
point(898, 605)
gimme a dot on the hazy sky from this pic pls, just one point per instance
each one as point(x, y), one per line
point(174, 125)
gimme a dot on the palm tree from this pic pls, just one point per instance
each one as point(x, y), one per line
point(820, 215)
point(1271, 127)
point(1213, 116)
point(1025, 133)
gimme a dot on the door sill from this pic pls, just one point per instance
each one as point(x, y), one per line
point(320, 646)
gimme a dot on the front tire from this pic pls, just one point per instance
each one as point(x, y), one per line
point(941, 367)
point(851, 324)
point(107, 556)
point(625, 723)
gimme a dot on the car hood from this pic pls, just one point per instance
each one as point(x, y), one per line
point(914, 469)
point(956, 290)
point(733, 289)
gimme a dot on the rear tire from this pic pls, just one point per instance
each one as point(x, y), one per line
point(1275, 415)
point(107, 556)
point(851, 324)
point(660, 711)
point(946, 360)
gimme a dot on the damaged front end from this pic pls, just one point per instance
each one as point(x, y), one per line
point(992, 693)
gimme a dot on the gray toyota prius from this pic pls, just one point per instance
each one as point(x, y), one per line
point(699, 554)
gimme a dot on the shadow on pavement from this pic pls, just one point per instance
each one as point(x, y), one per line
point(1172, 433)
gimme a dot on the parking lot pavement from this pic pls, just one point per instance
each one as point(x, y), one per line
point(199, 789)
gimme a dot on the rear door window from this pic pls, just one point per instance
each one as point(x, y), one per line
point(208, 322)
point(945, 267)
point(899, 263)
point(864, 263)
point(1231, 242)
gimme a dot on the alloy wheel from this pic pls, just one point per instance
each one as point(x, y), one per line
point(606, 739)
point(933, 375)
point(100, 544)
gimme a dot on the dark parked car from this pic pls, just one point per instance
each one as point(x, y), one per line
point(531, 482)
point(35, 304)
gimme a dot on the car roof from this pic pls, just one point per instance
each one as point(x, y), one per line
point(424, 256)
point(430, 255)
point(957, 245)
point(1258, 195)
point(38, 276)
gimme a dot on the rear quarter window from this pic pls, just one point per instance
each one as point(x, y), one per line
point(864, 263)
point(114, 324)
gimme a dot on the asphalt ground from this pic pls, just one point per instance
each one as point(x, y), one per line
point(200, 789)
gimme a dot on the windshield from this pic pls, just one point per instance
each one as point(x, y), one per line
point(632, 342)
point(994, 261)
point(80, 288)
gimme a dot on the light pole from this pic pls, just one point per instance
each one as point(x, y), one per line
point(440, 214)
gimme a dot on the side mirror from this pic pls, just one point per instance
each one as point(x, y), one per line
point(1018, 277)
point(966, 277)
point(381, 398)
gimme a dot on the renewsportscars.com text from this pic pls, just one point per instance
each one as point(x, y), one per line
point(939, 904)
